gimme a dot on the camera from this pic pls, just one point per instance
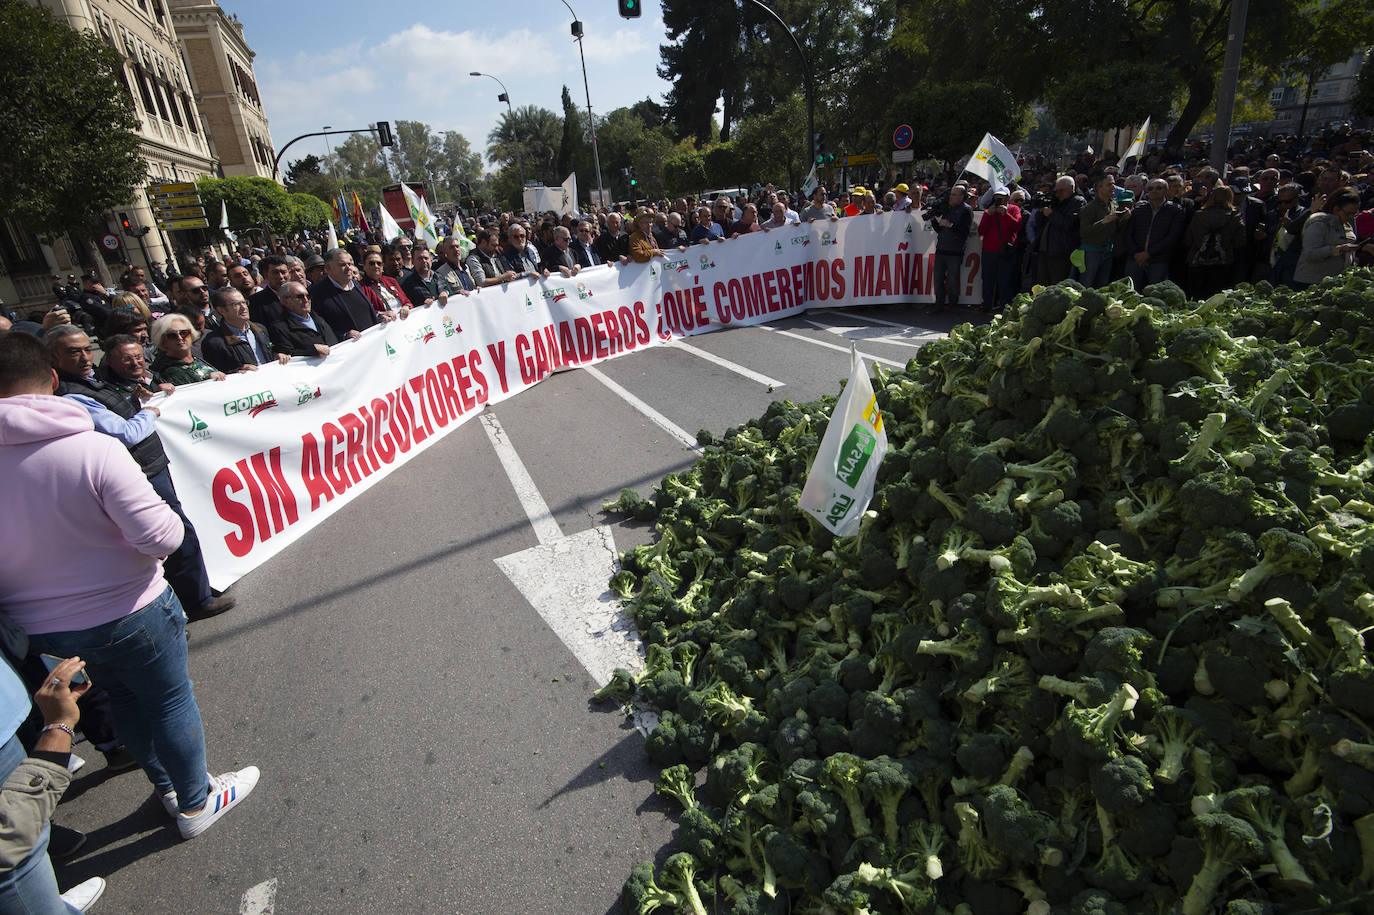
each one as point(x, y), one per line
point(938, 209)
point(1041, 201)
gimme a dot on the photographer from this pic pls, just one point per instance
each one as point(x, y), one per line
point(1000, 230)
point(1059, 236)
point(952, 218)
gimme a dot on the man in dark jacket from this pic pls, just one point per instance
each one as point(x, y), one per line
point(116, 413)
point(583, 245)
point(953, 228)
point(1152, 235)
point(337, 298)
point(1059, 237)
point(299, 332)
point(558, 256)
point(237, 344)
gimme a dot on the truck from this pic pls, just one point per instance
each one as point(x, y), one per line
point(395, 203)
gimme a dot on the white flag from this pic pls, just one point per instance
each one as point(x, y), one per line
point(569, 203)
point(810, 184)
point(224, 222)
point(839, 485)
point(464, 243)
point(333, 240)
point(424, 218)
point(1137, 146)
point(390, 230)
point(993, 162)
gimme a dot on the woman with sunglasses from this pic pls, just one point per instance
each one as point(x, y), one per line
point(173, 335)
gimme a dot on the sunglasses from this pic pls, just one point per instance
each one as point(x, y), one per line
point(182, 334)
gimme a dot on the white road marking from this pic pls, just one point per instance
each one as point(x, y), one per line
point(835, 346)
point(726, 364)
point(868, 334)
point(546, 529)
point(260, 899)
point(657, 418)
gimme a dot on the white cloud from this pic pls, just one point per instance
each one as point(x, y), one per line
point(617, 46)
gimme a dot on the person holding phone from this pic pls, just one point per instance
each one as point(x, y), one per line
point(33, 785)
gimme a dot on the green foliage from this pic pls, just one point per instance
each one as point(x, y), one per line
point(941, 135)
point(527, 138)
point(1363, 103)
point(1116, 94)
point(68, 123)
point(261, 201)
point(685, 173)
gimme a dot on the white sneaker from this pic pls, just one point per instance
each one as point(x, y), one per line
point(75, 763)
point(226, 791)
point(169, 800)
point(84, 895)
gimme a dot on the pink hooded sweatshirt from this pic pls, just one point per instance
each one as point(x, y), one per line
point(83, 532)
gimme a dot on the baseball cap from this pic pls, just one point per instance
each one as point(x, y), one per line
point(902, 187)
point(90, 276)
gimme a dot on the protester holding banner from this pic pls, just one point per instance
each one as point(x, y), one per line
point(237, 344)
point(176, 362)
point(337, 298)
point(422, 286)
point(299, 332)
point(515, 256)
point(642, 247)
point(381, 290)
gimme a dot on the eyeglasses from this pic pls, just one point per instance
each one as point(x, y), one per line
point(185, 334)
point(301, 295)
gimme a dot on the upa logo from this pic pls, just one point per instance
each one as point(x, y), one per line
point(827, 239)
point(838, 509)
point(200, 430)
point(450, 328)
point(252, 404)
point(706, 263)
point(583, 292)
point(304, 395)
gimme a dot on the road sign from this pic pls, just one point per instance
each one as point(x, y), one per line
point(177, 200)
point(904, 155)
point(175, 224)
point(181, 213)
point(110, 241)
point(902, 136)
point(184, 187)
point(859, 159)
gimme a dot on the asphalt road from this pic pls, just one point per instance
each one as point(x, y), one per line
point(427, 743)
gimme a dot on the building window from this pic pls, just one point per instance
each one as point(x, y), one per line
point(1276, 96)
point(142, 81)
point(161, 103)
point(190, 115)
point(19, 248)
point(172, 103)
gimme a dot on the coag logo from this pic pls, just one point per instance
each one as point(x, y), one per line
point(200, 430)
point(422, 334)
point(677, 266)
point(252, 404)
point(802, 240)
point(304, 395)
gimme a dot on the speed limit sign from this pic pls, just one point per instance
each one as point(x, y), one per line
point(110, 241)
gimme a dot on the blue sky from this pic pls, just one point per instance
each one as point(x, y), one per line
point(353, 62)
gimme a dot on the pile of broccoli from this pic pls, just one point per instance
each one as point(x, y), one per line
point(1098, 646)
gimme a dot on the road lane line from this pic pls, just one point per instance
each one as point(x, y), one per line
point(835, 346)
point(848, 314)
point(546, 529)
point(657, 418)
point(851, 332)
point(260, 899)
point(727, 364)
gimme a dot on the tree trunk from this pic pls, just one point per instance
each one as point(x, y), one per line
point(1200, 92)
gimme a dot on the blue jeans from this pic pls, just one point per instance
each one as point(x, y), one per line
point(30, 888)
point(185, 568)
point(140, 659)
point(1153, 272)
point(999, 279)
point(1097, 268)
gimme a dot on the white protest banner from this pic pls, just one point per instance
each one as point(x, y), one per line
point(1137, 146)
point(993, 162)
point(261, 458)
point(839, 484)
point(568, 203)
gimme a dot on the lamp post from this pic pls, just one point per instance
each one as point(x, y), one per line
point(505, 97)
point(328, 150)
point(591, 121)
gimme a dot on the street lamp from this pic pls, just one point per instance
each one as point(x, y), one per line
point(328, 150)
point(591, 121)
point(505, 97)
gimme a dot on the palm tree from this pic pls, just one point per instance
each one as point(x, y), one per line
point(535, 133)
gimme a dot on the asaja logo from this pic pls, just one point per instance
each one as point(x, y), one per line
point(583, 292)
point(529, 305)
point(200, 430)
point(390, 352)
point(653, 271)
point(854, 454)
point(777, 247)
point(449, 327)
point(908, 228)
point(304, 395)
point(252, 404)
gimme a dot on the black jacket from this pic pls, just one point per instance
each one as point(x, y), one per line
point(296, 339)
point(953, 238)
point(1060, 234)
point(228, 352)
point(1156, 232)
point(345, 310)
point(149, 452)
point(264, 307)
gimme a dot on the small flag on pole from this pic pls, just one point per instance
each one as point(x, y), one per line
point(840, 483)
point(423, 216)
point(333, 239)
point(390, 230)
point(993, 162)
point(357, 213)
point(224, 223)
point(1137, 146)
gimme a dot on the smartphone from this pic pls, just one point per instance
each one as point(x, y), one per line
point(51, 663)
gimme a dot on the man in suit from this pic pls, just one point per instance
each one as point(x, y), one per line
point(299, 332)
point(265, 305)
point(582, 247)
point(338, 300)
point(558, 256)
point(237, 344)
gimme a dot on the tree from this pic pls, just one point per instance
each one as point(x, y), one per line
point(1328, 33)
point(702, 63)
point(572, 135)
point(1364, 88)
point(250, 201)
point(458, 164)
point(417, 151)
point(306, 176)
point(685, 173)
point(68, 123)
point(528, 136)
point(308, 212)
point(1116, 94)
point(940, 136)
point(359, 158)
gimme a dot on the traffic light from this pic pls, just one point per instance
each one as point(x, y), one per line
point(629, 9)
point(126, 224)
point(818, 144)
point(384, 133)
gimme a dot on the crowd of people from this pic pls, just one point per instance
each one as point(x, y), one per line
point(1289, 211)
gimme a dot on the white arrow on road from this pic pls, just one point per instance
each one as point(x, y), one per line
point(564, 577)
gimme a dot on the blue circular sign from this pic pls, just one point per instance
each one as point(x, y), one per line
point(902, 136)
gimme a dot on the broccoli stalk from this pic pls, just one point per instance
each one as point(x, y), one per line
point(1201, 448)
point(843, 772)
point(679, 873)
point(1308, 771)
point(1282, 611)
point(1049, 620)
point(1268, 389)
point(642, 895)
point(980, 859)
point(1228, 842)
point(1091, 729)
point(1020, 764)
point(1364, 831)
point(1178, 731)
point(913, 897)
point(949, 502)
point(927, 839)
point(886, 782)
point(1362, 754)
point(1267, 813)
point(967, 645)
point(1284, 552)
point(1012, 675)
point(1157, 496)
point(677, 782)
point(621, 686)
point(956, 543)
